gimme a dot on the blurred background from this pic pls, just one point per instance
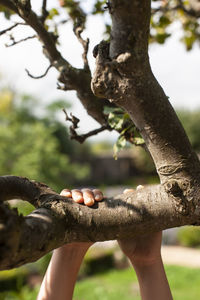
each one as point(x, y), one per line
point(35, 143)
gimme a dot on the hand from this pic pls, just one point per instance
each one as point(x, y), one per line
point(88, 197)
point(142, 250)
point(61, 275)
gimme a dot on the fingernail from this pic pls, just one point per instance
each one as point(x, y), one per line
point(66, 193)
point(89, 201)
point(98, 197)
point(128, 191)
point(139, 187)
point(77, 196)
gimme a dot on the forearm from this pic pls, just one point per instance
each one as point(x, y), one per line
point(152, 280)
point(61, 274)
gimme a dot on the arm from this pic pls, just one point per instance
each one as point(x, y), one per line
point(60, 278)
point(62, 271)
point(152, 280)
point(145, 256)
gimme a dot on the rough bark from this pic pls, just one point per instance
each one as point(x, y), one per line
point(123, 75)
point(58, 220)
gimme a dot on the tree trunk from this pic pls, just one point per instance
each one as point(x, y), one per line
point(123, 75)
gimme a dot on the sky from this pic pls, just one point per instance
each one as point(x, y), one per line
point(177, 71)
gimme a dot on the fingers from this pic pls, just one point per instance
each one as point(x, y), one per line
point(128, 191)
point(66, 193)
point(86, 196)
point(98, 195)
point(139, 187)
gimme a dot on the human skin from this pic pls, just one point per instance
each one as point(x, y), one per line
point(60, 277)
point(143, 252)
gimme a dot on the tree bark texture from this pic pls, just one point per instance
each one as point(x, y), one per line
point(58, 220)
point(123, 75)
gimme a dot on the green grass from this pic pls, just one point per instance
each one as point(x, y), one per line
point(122, 284)
point(108, 286)
point(114, 285)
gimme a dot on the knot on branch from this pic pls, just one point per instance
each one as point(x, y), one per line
point(107, 81)
point(183, 193)
point(173, 188)
point(66, 77)
point(24, 8)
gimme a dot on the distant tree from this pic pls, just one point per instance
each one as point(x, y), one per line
point(32, 146)
point(190, 121)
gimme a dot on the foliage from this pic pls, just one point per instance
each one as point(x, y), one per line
point(164, 15)
point(33, 146)
point(189, 236)
point(120, 121)
point(190, 122)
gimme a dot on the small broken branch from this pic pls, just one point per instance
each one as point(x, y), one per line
point(78, 29)
point(20, 41)
point(41, 76)
point(8, 29)
point(82, 137)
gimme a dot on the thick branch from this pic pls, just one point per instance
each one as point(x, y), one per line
point(59, 220)
point(124, 76)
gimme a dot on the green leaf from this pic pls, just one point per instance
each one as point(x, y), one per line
point(119, 145)
point(138, 141)
point(52, 13)
point(107, 110)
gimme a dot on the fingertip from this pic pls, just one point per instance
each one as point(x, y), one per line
point(98, 195)
point(88, 197)
point(139, 187)
point(66, 193)
point(128, 191)
point(77, 196)
point(89, 201)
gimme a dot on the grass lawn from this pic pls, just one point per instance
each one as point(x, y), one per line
point(114, 285)
point(122, 285)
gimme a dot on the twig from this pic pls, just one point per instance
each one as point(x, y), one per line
point(78, 29)
point(41, 76)
point(191, 12)
point(20, 41)
point(166, 8)
point(11, 27)
point(45, 12)
point(8, 29)
point(82, 137)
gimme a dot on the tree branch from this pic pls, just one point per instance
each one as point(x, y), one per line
point(59, 220)
point(45, 12)
point(20, 41)
point(78, 29)
point(72, 78)
point(193, 11)
point(8, 29)
point(41, 76)
point(82, 137)
point(123, 75)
